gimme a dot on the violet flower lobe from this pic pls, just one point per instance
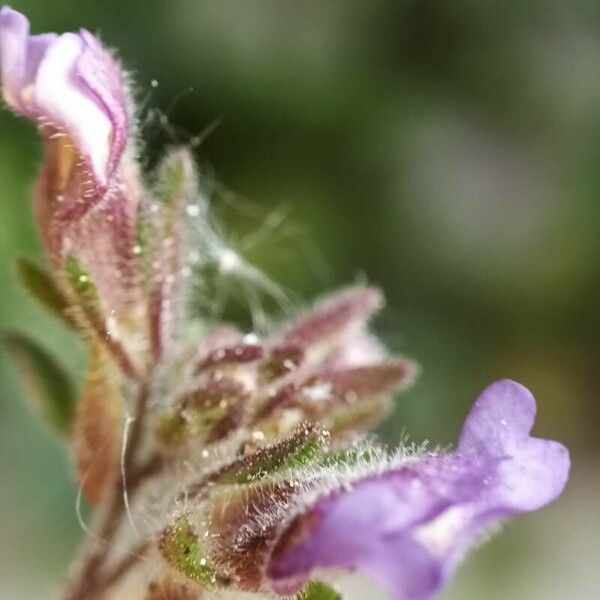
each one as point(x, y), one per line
point(408, 528)
point(67, 83)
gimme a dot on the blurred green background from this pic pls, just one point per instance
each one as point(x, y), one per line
point(448, 151)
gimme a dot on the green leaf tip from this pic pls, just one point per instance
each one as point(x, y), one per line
point(49, 388)
point(181, 547)
point(317, 590)
point(38, 282)
point(86, 296)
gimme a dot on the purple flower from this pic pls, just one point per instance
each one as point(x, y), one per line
point(408, 528)
point(70, 85)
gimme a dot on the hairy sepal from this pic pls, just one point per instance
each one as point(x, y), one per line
point(184, 549)
point(203, 415)
point(283, 457)
point(164, 238)
point(349, 399)
point(332, 318)
point(236, 503)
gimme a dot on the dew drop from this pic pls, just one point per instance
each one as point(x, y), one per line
point(289, 364)
point(317, 393)
point(228, 261)
point(250, 339)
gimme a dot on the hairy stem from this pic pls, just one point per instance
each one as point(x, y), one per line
point(123, 566)
point(88, 583)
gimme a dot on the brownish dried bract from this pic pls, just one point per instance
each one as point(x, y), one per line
point(169, 589)
point(97, 431)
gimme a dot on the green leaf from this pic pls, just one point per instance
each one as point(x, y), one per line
point(93, 316)
point(317, 590)
point(49, 388)
point(86, 295)
point(43, 288)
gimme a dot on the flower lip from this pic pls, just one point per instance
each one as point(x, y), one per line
point(408, 527)
point(69, 84)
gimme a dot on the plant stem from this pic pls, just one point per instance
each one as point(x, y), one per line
point(87, 583)
point(122, 567)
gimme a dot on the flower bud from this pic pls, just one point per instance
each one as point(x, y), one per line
point(88, 189)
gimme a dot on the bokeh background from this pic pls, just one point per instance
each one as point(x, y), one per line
point(446, 150)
